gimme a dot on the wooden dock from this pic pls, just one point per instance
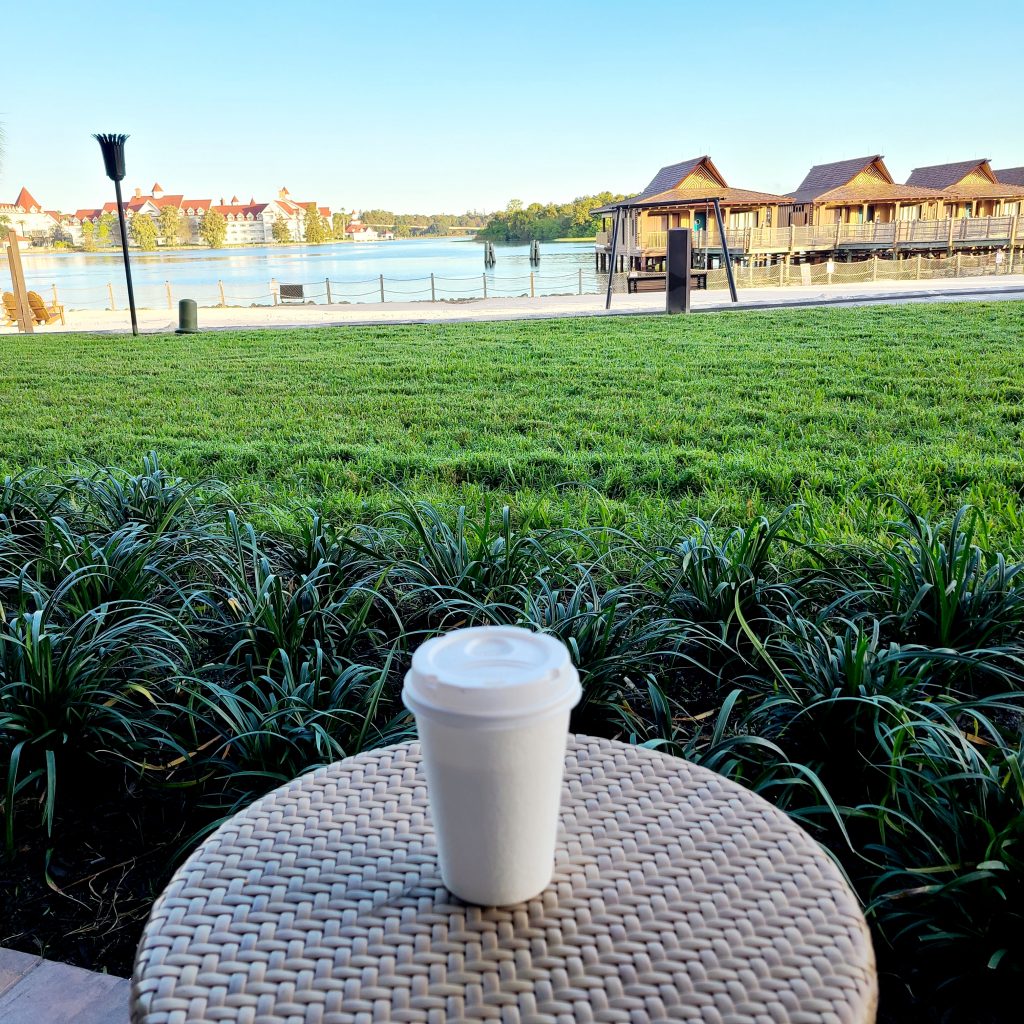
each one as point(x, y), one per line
point(642, 250)
point(38, 991)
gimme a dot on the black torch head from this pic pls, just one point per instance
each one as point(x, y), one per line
point(112, 147)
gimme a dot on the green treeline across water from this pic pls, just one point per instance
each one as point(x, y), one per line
point(546, 221)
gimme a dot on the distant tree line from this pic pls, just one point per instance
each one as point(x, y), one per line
point(406, 225)
point(545, 221)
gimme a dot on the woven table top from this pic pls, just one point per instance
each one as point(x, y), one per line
point(678, 895)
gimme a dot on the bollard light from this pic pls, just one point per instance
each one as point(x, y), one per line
point(188, 319)
point(112, 148)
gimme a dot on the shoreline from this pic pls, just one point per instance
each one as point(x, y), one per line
point(158, 321)
point(115, 250)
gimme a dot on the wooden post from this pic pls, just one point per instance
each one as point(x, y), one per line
point(484, 276)
point(918, 277)
point(381, 287)
point(949, 238)
point(580, 287)
point(1013, 242)
point(532, 294)
point(170, 301)
point(327, 281)
point(750, 271)
point(783, 266)
point(110, 290)
point(433, 290)
point(220, 288)
point(25, 324)
point(874, 268)
point(53, 290)
point(611, 261)
point(959, 263)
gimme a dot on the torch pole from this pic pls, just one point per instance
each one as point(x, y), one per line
point(127, 264)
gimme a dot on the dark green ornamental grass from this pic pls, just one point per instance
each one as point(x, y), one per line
point(164, 660)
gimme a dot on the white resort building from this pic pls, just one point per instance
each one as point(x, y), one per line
point(28, 218)
point(248, 223)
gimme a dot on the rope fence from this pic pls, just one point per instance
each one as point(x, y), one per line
point(833, 272)
point(581, 281)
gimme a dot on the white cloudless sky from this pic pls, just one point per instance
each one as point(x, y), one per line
point(451, 106)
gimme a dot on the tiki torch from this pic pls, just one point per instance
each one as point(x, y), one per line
point(112, 147)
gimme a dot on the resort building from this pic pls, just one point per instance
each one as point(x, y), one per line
point(27, 216)
point(357, 231)
point(248, 223)
point(150, 205)
point(252, 223)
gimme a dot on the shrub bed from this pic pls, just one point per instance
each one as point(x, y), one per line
point(164, 660)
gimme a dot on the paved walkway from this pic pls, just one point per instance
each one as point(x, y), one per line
point(38, 991)
point(478, 310)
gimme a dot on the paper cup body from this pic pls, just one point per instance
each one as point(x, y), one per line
point(492, 708)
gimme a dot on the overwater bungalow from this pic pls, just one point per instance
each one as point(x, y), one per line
point(679, 196)
point(1010, 175)
point(848, 210)
point(858, 191)
point(970, 188)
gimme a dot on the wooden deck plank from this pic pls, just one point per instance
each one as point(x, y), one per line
point(14, 966)
point(61, 994)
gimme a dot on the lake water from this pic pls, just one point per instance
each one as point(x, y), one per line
point(353, 269)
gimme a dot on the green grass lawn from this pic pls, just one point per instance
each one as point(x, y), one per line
point(642, 418)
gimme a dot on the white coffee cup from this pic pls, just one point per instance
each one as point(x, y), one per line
point(492, 708)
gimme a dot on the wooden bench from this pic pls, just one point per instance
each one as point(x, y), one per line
point(641, 282)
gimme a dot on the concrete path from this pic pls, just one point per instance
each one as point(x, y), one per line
point(987, 288)
point(37, 991)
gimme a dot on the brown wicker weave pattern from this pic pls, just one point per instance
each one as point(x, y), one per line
point(677, 896)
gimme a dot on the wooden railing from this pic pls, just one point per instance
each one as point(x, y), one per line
point(831, 236)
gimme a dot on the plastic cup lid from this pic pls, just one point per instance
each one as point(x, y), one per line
point(491, 672)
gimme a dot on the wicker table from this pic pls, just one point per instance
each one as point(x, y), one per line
point(677, 896)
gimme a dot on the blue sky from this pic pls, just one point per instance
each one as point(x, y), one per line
point(426, 107)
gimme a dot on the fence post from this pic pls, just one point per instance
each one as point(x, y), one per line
point(874, 268)
point(110, 290)
point(381, 287)
point(750, 271)
point(918, 267)
point(532, 294)
point(433, 290)
point(484, 276)
point(53, 288)
point(958, 263)
point(220, 288)
point(327, 281)
point(783, 265)
point(170, 303)
point(580, 287)
point(275, 291)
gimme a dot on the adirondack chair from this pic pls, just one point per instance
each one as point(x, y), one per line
point(43, 314)
point(10, 309)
